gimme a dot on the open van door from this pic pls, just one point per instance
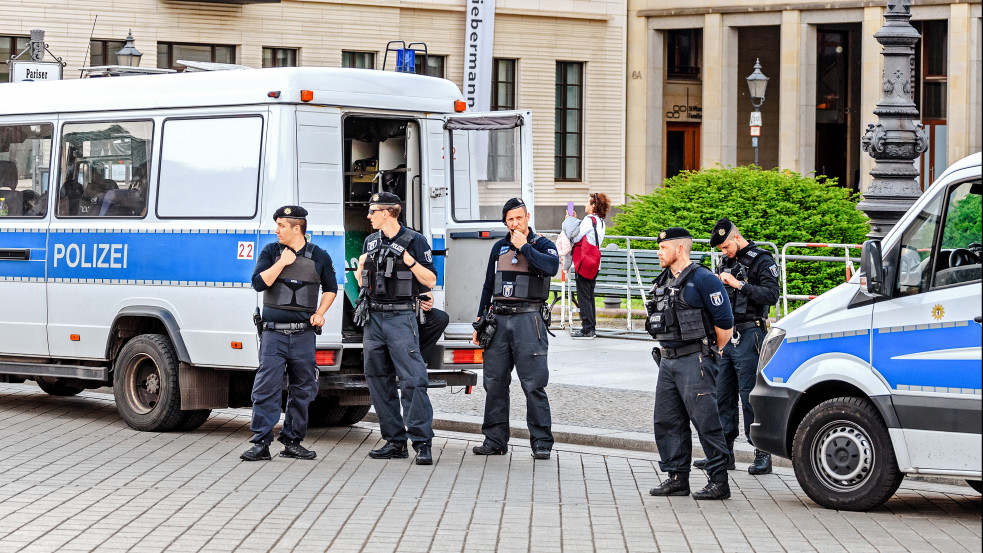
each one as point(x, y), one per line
point(490, 162)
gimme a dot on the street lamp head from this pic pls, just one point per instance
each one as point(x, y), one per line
point(756, 84)
point(129, 55)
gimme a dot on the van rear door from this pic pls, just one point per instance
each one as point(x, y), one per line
point(490, 162)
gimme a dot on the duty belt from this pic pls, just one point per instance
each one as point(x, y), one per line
point(500, 309)
point(742, 326)
point(402, 306)
point(287, 328)
point(675, 353)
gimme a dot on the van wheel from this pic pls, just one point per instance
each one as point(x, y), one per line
point(191, 420)
point(145, 384)
point(843, 457)
point(353, 414)
point(324, 411)
point(976, 485)
point(58, 388)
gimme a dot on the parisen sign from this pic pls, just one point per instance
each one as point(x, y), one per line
point(35, 71)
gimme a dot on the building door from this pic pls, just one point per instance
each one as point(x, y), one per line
point(682, 148)
point(837, 104)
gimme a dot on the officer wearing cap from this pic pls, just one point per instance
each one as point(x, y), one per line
point(517, 283)
point(289, 273)
point(396, 266)
point(750, 275)
point(690, 316)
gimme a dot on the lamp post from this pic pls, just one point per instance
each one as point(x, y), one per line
point(128, 55)
point(756, 85)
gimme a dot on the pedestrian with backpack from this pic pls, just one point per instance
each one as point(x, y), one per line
point(587, 261)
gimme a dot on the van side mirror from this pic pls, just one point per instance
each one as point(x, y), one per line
point(873, 267)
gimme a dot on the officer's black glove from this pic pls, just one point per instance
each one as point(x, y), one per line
point(361, 315)
point(486, 327)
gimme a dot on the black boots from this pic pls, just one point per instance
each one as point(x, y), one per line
point(424, 455)
point(485, 449)
point(761, 464)
point(392, 450)
point(293, 450)
point(676, 484)
point(714, 490)
point(259, 452)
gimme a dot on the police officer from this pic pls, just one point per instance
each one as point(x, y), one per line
point(289, 272)
point(689, 315)
point(397, 266)
point(751, 279)
point(516, 286)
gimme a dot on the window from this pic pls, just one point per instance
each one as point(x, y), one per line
point(483, 185)
point(104, 169)
point(10, 46)
point(25, 152)
point(935, 62)
point(359, 60)
point(103, 52)
point(168, 54)
point(962, 238)
point(916, 250)
point(279, 57)
point(209, 167)
point(435, 65)
point(503, 84)
point(684, 51)
point(569, 121)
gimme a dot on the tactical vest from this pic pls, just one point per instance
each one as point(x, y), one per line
point(745, 308)
point(297, 287)
point(670, 318)
point(515, 280)
point(388, 278)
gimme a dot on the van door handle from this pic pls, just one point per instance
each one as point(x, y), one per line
point(15, 254)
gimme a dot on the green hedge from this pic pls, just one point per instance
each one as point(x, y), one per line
point(773, 206)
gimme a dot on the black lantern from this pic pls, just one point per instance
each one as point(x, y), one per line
point(130, 56)
point(756, 85)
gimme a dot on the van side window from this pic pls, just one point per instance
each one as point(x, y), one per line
point(209, 167)
point(914, 266)
point(481, 187)
point(25, 155)
point(962, 240)
point(104, 169)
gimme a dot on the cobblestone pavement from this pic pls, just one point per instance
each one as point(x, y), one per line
point(76, 478)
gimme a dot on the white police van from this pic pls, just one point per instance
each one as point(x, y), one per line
point(133, 209)
point(881, 376)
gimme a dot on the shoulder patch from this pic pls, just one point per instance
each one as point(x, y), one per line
point(717, 298)
point(429, 256)
point(372, 245)
point(552, 252)
point(752, 253)
point(503, 250)
point(774, 270)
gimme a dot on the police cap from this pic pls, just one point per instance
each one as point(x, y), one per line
point(385, 198)
point(514, 203)
point(290, 212)
point(674, 233)
point(720, 232)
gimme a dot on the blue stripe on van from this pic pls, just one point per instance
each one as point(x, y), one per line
point(33, 240)
point(438, 260)
point(793, 352)
point(961, 374)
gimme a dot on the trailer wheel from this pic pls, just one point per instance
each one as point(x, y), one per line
point(191, 420)
point(324, 411)
point(58, 388)
point(843, 457)
point(145, 384)
point(353, 414)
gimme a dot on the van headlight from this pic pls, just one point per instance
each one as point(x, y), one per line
point(772, 340)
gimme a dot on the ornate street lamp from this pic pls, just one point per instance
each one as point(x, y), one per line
point(757, 83)
point(129, 55)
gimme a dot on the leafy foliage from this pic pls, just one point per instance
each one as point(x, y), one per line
point(962, 226)
point(767, 206)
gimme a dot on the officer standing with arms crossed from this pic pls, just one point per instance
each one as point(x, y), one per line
point(516, 286)
point(689, 315)
point(289, 273)
point(396, 266)
point(751, 277)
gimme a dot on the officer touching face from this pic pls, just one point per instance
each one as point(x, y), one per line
point(690, 316)
point(516, 286)
point(397, 266)
point(750, 275)
point(289, 272)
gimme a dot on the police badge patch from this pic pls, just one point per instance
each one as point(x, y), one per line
point(717, 299)
point(372, 245)
point(504, 250)
point(429, 256)
point(552, 252)
point(774, 270)
point(507, 290)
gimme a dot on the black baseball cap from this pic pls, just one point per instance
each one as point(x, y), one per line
point(385, 198)
point(514, 203)
point(290, 212)
point(720, 232)
point(674, 233)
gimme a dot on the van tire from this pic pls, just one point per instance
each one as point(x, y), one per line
point(353, 415)
point(976, 485)
point(145, 384)
point(843, 457)
point(191, 420)
point(324, 412)
point(58, 388)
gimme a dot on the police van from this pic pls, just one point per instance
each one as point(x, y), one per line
point(881, 376)
point(132, 210)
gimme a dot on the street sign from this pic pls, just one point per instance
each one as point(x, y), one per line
point(35, 71)
point(754, 142)
point(755, 119)
point(755, 131)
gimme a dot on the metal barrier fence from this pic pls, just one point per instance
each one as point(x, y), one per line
point(785, 258)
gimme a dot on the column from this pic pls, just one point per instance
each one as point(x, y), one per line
point(963, 78)
point(870, 90)
point(797, 110)
point(719, 128)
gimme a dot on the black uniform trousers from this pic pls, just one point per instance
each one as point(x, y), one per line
point(520, 341)
point(430, 331)
point(686, 391)
point(391, 346)
point(281, 353)
point(736, 373)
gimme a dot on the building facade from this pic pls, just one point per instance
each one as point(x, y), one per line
point(563, 59)
point(688, 100)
